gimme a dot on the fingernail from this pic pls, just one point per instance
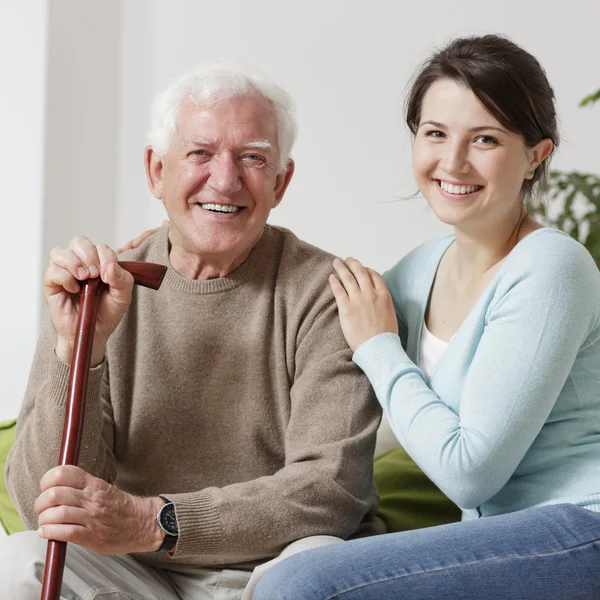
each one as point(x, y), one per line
point(94, 271)
point(82, 273)
point(118, 272)
point(40, 531)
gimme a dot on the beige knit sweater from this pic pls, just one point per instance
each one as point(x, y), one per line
point(235, 397)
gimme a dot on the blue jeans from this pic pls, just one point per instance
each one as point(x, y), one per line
point(545, 553)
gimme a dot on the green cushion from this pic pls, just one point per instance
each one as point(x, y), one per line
point(408, 499)
point(8, 513)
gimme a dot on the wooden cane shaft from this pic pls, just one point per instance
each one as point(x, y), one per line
point(80, 366)
point(145, 274)
point(54, 568)
point(73, 426)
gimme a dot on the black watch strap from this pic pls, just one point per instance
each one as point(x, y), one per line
point(167, 521)
point(168, 543)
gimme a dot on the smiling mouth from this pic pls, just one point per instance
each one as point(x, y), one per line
point(220, 208)
point(457, 190)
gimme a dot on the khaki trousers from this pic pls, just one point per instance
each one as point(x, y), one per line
point(91, 576)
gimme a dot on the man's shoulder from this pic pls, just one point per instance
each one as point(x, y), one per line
point(302, 273)
point(149, 250)
point(301, 257)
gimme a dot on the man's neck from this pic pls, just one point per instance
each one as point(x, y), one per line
point(191, 265)
point(195, 267)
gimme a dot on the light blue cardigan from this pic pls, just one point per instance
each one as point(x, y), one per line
point(510, 417)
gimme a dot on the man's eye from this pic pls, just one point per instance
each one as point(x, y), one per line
point(199, 153)
point(254, 158)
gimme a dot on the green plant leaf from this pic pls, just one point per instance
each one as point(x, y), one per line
point(575, 200)
point(591, 99)
point(586, 184)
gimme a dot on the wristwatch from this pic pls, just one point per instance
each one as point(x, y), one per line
point(167, 521)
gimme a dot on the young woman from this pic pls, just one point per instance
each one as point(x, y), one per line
point(485, 355)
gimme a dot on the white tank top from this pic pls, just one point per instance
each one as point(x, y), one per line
point(430, 351)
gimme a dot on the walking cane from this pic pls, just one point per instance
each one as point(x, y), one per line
point(145, 274)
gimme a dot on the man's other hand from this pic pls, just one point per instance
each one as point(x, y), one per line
point(76, 507)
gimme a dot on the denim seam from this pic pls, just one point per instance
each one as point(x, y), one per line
point(469, 564)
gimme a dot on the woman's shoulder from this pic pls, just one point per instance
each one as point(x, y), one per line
point(420, 261)
point(551, 252)
point(553, 273)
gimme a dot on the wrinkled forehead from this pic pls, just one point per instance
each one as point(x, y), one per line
point(236, 120)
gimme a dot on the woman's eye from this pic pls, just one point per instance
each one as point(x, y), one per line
point(435, 134)
point(487, 139)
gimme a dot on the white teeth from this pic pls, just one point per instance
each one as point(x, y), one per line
point(457, 189)
point(227, 208)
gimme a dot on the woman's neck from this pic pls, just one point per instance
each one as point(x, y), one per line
point(476, 253)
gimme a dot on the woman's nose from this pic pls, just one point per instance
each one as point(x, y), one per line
point(456, 160)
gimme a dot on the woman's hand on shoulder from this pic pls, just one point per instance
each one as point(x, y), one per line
point(364, 302)
point(131, 244)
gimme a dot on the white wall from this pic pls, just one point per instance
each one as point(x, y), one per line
point(59, 122)
point(82, 108)
point(346, 64)
point(23, 68)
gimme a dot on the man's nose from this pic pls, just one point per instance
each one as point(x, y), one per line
point(224, 174)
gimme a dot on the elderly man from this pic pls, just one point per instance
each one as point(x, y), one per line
point(224, 416)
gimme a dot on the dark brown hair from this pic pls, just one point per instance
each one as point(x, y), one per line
point(509, 82)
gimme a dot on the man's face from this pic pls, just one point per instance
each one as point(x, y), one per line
point(219, 179)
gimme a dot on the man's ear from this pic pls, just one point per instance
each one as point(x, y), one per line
point(282, 181)
point(154, 166)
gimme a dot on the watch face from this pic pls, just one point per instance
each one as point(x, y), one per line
point(168, 521)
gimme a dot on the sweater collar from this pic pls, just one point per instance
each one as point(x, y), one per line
point(252, 264)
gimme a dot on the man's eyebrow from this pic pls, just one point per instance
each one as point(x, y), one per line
point(473, 129)
point(197, 141)
point(258, 145)
point(255, 145)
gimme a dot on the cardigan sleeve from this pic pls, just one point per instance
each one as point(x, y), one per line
point(540, 318)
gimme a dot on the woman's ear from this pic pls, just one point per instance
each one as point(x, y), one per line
point(539, 153)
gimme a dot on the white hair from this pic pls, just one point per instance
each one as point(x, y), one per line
point(216, 83)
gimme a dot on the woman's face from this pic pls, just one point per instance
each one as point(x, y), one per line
point(467, 165)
